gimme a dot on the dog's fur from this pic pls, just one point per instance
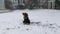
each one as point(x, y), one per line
point(26, 19)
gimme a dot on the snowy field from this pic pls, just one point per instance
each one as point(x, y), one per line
point(45, 22)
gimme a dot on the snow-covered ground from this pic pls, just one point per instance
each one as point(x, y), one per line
point(43, 21)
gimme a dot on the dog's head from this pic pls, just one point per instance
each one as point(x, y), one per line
point(25, 14)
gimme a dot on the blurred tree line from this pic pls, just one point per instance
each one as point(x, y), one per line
point(57, 4)
point(8, 4)
point(32, 3)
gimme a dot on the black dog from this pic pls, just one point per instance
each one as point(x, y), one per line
point(26, 19)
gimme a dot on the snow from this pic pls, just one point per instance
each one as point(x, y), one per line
point(43, 21)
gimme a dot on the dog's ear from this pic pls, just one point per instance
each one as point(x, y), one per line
point(23, 13)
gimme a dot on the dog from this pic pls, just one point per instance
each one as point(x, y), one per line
point(26, 19)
